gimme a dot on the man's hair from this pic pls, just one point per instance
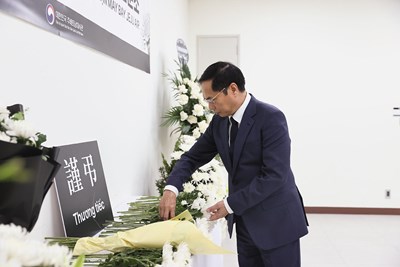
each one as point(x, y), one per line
point(222, 75)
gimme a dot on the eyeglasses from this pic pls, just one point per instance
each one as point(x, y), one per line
point(212, 100)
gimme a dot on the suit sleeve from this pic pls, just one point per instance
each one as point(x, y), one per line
point(203, 151)
point(274, 166)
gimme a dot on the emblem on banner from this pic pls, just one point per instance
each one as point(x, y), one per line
point(50, 14)
point(183, 54)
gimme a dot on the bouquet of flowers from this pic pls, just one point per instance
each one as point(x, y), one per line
point(137, 238)
point(206, 186)
point(17, 249)
point(26, 169)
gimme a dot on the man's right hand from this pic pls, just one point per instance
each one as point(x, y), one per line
point(167, 205)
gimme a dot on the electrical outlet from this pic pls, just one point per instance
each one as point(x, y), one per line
point(396, 111)
point(387, 193)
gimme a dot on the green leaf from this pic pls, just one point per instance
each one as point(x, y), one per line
point(19, 116)
point(172, 116)
point(79, 261)
point(41, 139)
point(185, 129)
point(185, 72)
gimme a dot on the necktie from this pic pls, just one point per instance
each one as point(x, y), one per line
point(233, 129)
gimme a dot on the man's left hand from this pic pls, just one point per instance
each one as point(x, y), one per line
point(217, 211)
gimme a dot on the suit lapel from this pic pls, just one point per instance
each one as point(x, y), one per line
point(245, 126)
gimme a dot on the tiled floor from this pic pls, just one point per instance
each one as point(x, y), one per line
point(347, 241)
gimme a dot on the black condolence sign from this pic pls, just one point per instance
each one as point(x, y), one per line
point(118, 28)
point(82, 190)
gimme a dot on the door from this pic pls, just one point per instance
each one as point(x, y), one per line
point(213, 48)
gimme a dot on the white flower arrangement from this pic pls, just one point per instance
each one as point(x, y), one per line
point(14, 129)
point(179, 258)
point(206, 186)
point(18, 249)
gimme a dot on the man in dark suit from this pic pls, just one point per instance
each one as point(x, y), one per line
point(253, 142)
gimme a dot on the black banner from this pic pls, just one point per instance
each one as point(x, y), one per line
point(65, 22)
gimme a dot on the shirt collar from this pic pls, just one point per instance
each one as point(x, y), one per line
point(239, 113)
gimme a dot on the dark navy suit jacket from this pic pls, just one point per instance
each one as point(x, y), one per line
point(262, 189)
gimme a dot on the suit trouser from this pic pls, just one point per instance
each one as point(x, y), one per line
point(250, 255)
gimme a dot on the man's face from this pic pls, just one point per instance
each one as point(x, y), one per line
point(218, 102)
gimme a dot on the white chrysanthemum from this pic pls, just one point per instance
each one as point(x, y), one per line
point(169, 264)
point(12, 231)
point(184, 115)
point(196, 133)
point(184, 202)
point(42, 254)
point(176, 155)
point(213, 198)
point(185, 146)
point(6, 138)
point(198, 110)
point(215, 164)
point(167, 254)
point(187, 141)
point(209, 188)
point(212, 165)
point(196, 176)
point(192, 119)
point(182, 89)
point(22, 129)
point(188, 187)
point(201, 187)
point(32, 255)
point(4, 113)
point(214, 176)
point(182, 256)
point(23, 251)
point(203, 126)
point(206, 167)
point(183, 100)
point(222, 192)
point(7, 123)
point(9, 262)
point(204, 176)
point(4, 110)
point(57, 256)
point(211, 195)
point(198, 203)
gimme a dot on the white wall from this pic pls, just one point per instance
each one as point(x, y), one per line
point(76, 94)
point(333, 68)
